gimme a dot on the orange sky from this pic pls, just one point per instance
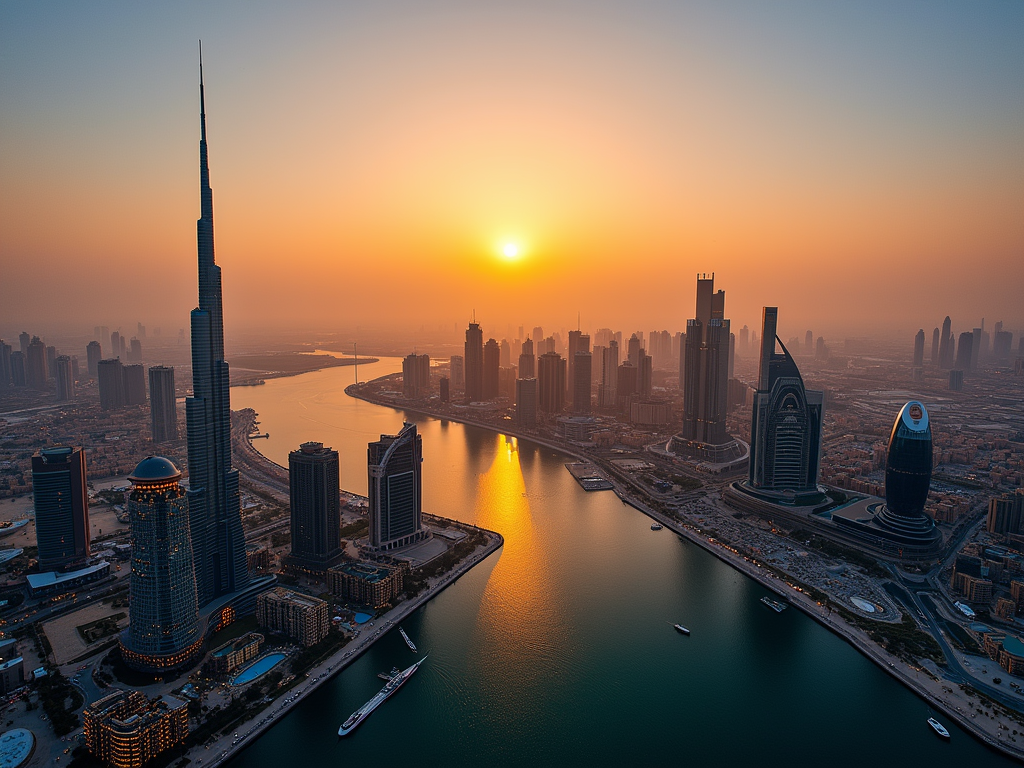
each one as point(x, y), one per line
point(861, 168)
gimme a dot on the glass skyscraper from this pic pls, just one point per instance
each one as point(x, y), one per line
point(395, 489)
point(62, 506)
point(218, 542)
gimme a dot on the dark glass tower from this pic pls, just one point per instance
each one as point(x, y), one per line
point(163, 631)
point(394, 482)
point(218, 543)
point(314, 476)
point(908, 475)
point(474, 363)
point(62, 506)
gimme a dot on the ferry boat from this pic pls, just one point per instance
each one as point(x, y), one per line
point(681, 629)
point(775, 605)
point(410, 643)
point(656, 526)
point(383, 695)
point(938, 727)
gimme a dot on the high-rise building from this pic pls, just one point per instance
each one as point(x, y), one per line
point(62, 506)
point(301, 617)
point(35, 364)
point(111, 381)
point(956, 380)
point(51, 362)
point(538, 336)
point(5, 365)
point(975, 348)
point(474, 350)
point(395, 489)
point(505, 354)
point(527, 361)
point(945, 342)
point(550, 382)
point(581, 383)
point(964, 351)
point(163, 631)
point(919, 349)
point(492, 359)
point(609, 375)
point(644, 374)
point(215, 520)
point(458, 371)
point(444, 389)
point(314, 479)
point(1002, 343)
point(116, 345)
point(908, 472)
point(706, 380)
point(935, 347)
point(785, 443)
point(24, 340)
point(526, 402)
point(633, 351)
point(134, 351)
point(163, 404)
point(19, 377)
point(808, 342)
point(416, 375)
point(134, 384)
point(93, 354)
point(574, 346)
point(65, 378)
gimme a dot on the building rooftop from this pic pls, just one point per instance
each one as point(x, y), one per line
point(155, 468)
point(52, 578)
point(1013, 646)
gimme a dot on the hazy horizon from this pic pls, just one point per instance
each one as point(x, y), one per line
point(858, 166)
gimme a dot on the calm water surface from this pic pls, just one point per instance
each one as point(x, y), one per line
point(559, 648)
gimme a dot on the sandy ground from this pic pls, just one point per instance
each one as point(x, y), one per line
point(64, 638)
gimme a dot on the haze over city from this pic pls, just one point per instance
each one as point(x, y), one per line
point(860, 165)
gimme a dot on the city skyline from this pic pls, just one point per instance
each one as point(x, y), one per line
point(892, 158)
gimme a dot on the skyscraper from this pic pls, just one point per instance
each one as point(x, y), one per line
point(550, 382)
point(35, 364)
point(65, 378)
point(458, 371)
point(945, 339)
point(474, 354)
point(935, 347)
point(908, 473)
point(526, 402)
point(111, 383)
point(134, 351)
point(574, 346)
point(581, 382)
point(919, 349)
point(786, 419)
point(18, 377)
point(24, 340)
point(134, 384)
point(314, 479)
point(5, 365)
point(527, 361)
point(162, 404)
point(51, 362)
point(163, 632)
point(215, 522)
point(416, 375)
point(964, 350)
point(62, 506)
point(609, 375)
point(93, 354)
point(395, 489)
point(492, 362)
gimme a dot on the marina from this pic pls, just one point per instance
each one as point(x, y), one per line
point(589, 477)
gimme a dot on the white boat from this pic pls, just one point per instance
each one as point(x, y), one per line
point(681, 629)
point(656, 526)
point(938, 727)
point(364, 711)
point(775, 605)
point(410, 643)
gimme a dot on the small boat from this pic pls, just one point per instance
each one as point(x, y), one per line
point(775, 605)
point(410, 643)
point(938, 728)
point(656, 526)
point(681, 629)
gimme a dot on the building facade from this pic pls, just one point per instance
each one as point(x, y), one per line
point(474, 363)
point(62, 506)
point(300, 617)
point(110, 375)
point(371, 584)
point(163, 632)
point(125, 729)
point(163, 410)
point(395, 489)
point(314, 474)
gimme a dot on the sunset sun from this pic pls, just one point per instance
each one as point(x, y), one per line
point(510, 251)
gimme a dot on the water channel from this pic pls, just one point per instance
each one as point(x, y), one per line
point(559, 649)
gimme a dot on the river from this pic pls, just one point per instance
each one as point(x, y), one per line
point(559, 649)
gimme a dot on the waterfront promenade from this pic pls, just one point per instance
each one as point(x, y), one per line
point(970, 712)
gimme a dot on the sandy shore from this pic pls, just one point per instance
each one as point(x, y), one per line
point(943, 696)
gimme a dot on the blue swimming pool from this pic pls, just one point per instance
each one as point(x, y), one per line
point(259, 667)
point(362, 618)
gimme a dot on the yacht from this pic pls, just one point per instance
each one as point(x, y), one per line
point(938, 728)
point(681, 629)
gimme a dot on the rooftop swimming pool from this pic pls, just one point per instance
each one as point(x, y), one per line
point(259, 667)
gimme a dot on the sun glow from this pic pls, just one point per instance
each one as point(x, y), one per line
point(510, 251)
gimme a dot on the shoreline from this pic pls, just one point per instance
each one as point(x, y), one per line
point(855, 637)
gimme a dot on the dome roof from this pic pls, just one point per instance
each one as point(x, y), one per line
point(154, 468)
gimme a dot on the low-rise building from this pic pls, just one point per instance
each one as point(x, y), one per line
point(234, 653)
point(301, 617)
point(12, 675)
point(371, 584)
point(127, 730)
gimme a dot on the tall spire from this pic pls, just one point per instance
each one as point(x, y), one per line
point(205, 192)
point(202, 95)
